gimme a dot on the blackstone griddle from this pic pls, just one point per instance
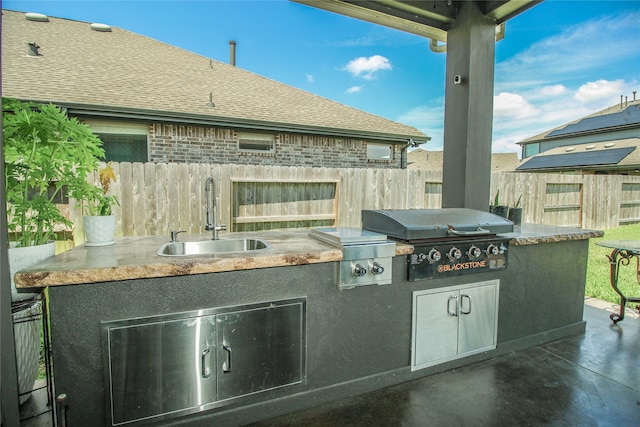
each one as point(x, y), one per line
point(447, 242)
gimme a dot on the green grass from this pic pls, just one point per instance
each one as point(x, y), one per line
point(598, 284)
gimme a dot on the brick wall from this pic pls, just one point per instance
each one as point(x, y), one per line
point(195, 144)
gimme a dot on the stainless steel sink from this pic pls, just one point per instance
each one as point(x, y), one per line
point(212, 247)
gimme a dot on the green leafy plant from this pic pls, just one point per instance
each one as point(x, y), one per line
point(47, 157)
point(496, 200)
point(98, 201)
point(517, 205)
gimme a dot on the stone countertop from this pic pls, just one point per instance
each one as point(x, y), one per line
point(136, 258)
point(533, 234)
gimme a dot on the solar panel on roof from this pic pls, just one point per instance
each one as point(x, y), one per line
point(628, 116)
point(588, 158)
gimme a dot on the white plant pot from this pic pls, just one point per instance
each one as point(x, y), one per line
point(24, 257)
point(26, 329)
point(99, 230)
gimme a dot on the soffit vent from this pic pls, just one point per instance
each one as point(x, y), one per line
point(104, 28)
point(39, 17)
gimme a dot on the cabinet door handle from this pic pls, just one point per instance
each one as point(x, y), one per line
point(462, 298)
point(206, 373)
point(226, 366)
point(454, 298)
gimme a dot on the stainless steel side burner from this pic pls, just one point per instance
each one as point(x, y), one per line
point(366, 255)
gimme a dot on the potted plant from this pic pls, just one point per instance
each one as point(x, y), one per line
point(498, 209)
point(100, 223)
point(515, 213)
point(47, 158)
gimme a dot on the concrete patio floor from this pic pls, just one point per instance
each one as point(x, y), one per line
point(592, 379)
point(586, 380)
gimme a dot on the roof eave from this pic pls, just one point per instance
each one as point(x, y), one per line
point(206, 120)
point(578, 134)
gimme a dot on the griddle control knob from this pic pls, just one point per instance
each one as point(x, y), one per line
point(376, 268)
point(454, 254)
point(493, 250)
point(434, 255)
point(474, 252)
point(359, 270)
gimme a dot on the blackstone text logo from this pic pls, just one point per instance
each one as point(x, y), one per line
point(461, 266)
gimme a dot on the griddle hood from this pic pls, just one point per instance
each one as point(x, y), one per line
point(421, 224)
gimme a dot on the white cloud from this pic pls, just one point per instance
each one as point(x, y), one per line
point(508, 144)
point(310, 78)
point(600, 43)
point(354, 89)
point(553, 90)
point(512, 105)
point(367, 67)
point(584, 69)
point(598, 90)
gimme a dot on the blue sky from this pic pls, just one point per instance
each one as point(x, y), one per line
point(559, 61)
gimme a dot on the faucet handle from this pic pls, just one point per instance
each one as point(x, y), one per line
point(174, 234)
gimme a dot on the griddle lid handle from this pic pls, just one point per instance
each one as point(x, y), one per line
point(478, 232)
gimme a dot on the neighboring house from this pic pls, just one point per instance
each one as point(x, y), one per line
point(606, 142)
point(150, 101)
point(432, 160)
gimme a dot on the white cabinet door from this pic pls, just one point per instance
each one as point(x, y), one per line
point(454, 322)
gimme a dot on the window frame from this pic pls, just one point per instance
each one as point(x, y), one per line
point(114, 127)
point(378, 145)
point(267, 138)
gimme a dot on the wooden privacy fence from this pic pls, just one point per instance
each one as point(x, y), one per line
point(158, 197)
point(588, 201)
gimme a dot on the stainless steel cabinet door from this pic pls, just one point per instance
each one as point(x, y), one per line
point(160, 367)
point(435, 325)
point(454, 322)
point(478, 318)
point(260, 349)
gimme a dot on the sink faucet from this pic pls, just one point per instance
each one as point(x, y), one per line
point(211, 211)
point(174, 235)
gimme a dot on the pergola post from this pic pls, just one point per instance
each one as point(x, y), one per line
point(468, 115)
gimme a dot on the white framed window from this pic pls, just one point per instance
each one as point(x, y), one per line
point(256, 142)
point(379, 152)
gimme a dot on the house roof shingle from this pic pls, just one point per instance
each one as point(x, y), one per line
point(123, 74)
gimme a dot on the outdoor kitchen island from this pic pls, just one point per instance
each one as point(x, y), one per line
point(336, 342)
